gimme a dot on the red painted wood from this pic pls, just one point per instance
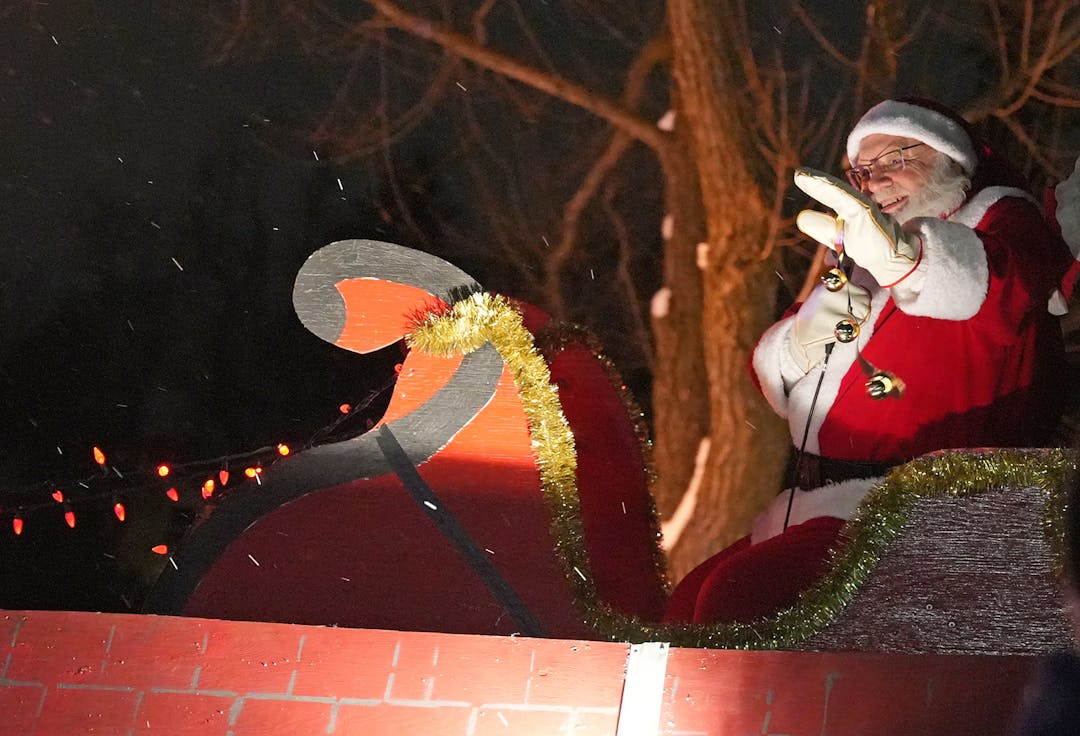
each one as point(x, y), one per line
point(377, 312)
point(83, 673)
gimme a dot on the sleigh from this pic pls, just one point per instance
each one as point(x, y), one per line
point(506, 483)
point(506, 492)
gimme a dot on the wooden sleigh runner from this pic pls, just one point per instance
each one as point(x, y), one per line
point(506, 491)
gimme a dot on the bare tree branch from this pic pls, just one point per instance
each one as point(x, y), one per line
point(652, 53)
point(624, 277)
point(1033, 148)
point(555, 86)
point(819, 37)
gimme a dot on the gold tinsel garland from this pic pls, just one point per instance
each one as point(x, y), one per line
point(881, 516)
point(481, 318)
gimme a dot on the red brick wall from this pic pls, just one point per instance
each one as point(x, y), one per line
point(73, 673)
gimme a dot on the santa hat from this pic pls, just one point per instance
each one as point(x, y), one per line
point(923, 120)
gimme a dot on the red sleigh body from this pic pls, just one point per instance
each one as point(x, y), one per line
point(335, 536)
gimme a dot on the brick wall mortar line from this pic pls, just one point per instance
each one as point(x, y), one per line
point(830, 678)
point(108, 646)
point(412, 703)
point(300, 647)
point(592, 710)
point(286, 698)
point(183, 691)
point(7, 663)
point(91, 686)
point(331, 725)
point(41, 703)
point(470, 725)
point(135, 711)
point(598, 710)
point(389, 686)
point(195, 675)
point(532, 708)
point(234, 711)
point(21, 683)
point(529, 681)
point(359, 701)
point(16, 630)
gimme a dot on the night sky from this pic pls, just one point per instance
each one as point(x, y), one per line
point(155, 213)
point(152, 237)
point(156, 208)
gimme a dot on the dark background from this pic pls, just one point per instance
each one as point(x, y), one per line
point(157, 204)
point(124, 154)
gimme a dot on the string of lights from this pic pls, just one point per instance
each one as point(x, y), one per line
point(201, 481)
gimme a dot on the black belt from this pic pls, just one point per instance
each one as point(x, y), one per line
point(808, 471)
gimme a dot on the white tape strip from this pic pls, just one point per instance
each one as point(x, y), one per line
point(643, 689)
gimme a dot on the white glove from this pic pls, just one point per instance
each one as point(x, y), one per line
point(816, 320)
point(873, 239)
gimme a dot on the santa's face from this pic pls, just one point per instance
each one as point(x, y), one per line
point(900, 170)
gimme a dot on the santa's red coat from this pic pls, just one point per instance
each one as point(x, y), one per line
point(981, 359)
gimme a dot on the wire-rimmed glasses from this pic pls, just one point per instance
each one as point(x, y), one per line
point(887, 163)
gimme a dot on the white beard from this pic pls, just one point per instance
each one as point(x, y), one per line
point(945, 189)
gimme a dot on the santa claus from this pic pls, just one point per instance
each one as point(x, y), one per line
point(932, 331)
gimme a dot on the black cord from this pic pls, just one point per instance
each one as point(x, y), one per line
point(847, 265)
point(806, 433)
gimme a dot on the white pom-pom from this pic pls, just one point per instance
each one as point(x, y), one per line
point(667, 122)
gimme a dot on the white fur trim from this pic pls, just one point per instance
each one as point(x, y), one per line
point(955, 275)
point(839, 500)
point(801, 395)
point(1058, 304)
point(771, 361)
point(892, 117)
point(1067, 194)
point(974, 210)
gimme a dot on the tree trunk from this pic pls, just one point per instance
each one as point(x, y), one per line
point(748, 444)
point(680, 386)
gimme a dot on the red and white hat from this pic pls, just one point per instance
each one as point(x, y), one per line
point(922, 120)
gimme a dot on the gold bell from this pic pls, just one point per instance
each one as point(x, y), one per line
point(846, 330)
point(834, 279)
point(884, 384)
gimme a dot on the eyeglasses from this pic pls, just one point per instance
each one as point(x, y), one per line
point(887, 163)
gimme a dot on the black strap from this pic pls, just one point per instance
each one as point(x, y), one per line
point(806, 431)
point(430, 504)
